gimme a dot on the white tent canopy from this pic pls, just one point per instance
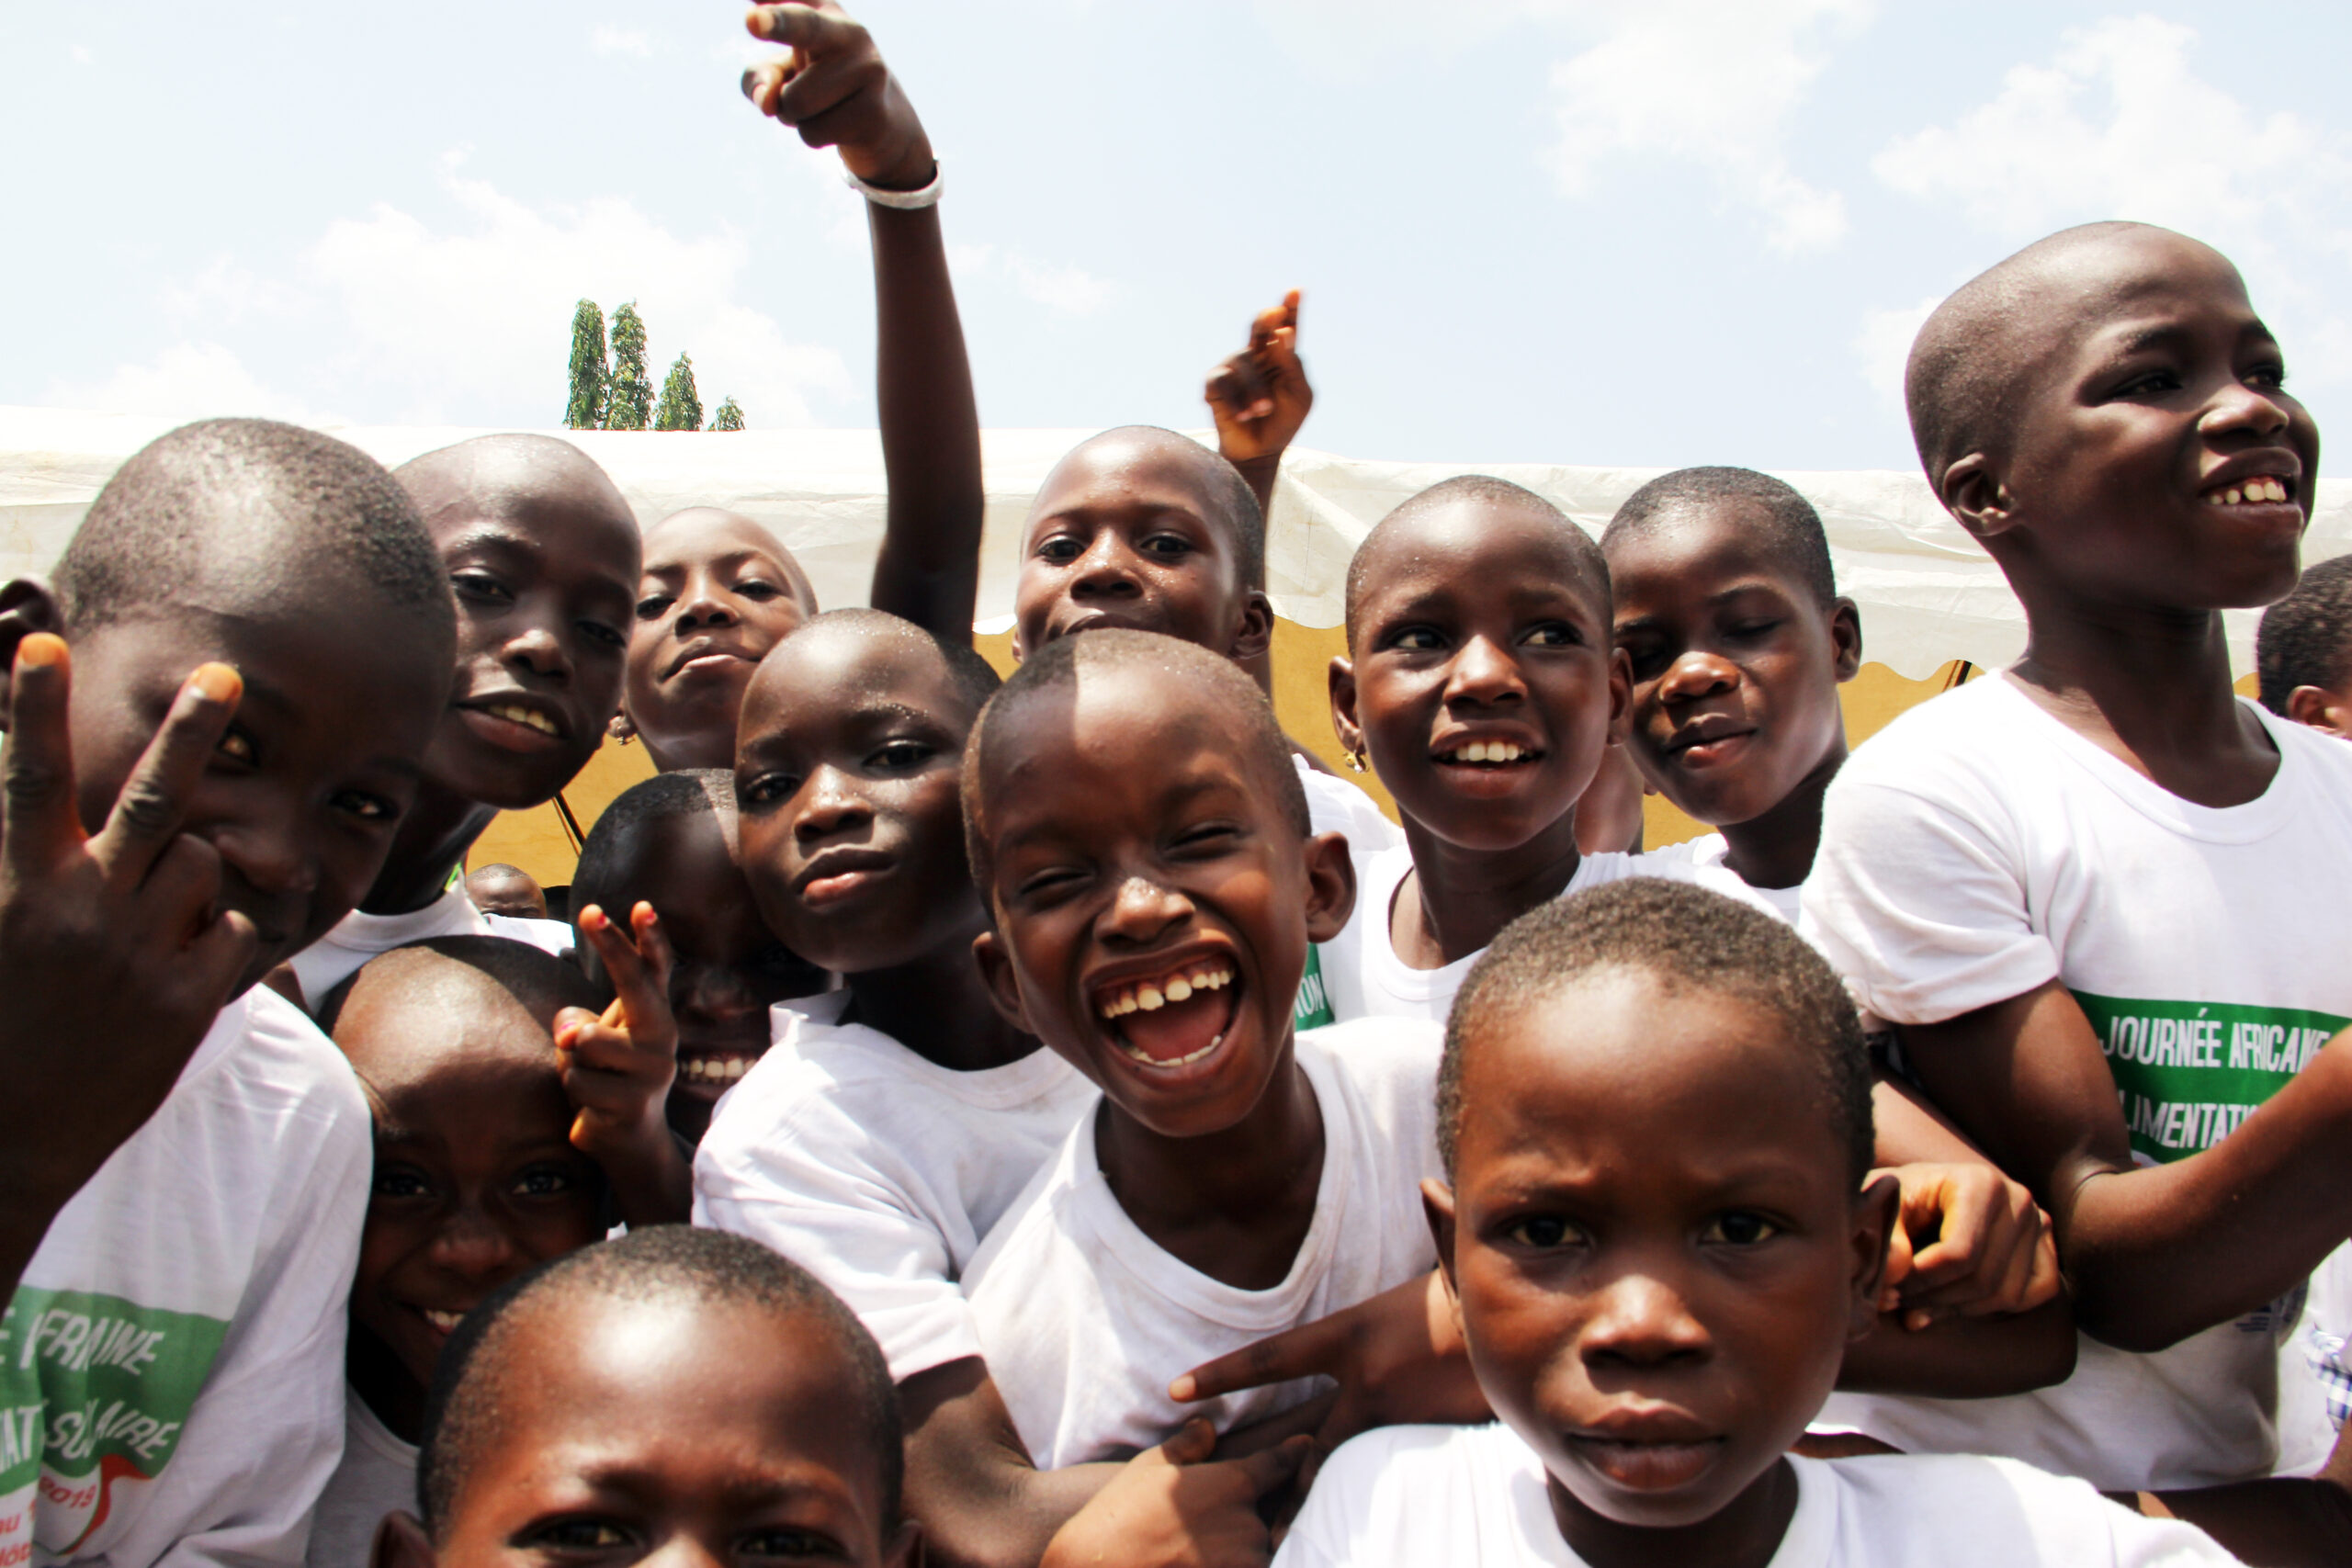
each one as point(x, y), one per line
point(1926, 592)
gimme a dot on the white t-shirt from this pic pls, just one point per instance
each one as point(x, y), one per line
point(1975, 849)
point(1709, 850)
point(1335, 805)
point(378, 1475)
point(1474, 1497)
point(1085, 1319)
point(170, 1365)
point(1366, 978)
point(879, 1170)
point(360, 936)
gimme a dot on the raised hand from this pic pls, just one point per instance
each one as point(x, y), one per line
point(618, 1068)
point(1175, 1506)
point(833, 88)
point(1398, 1358)
point(1260, 397)
point(1970, 1241)
point(114, 958)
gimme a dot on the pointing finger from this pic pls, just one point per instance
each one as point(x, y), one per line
point(37, 818)
point(147, 813)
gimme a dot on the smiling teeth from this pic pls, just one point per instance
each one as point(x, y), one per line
point(2254, 490)
point(1487, 751)
point(1173, 1061)
point(1176, 988)
point(514, 714)
point(444, 1321)
point(701, 1069)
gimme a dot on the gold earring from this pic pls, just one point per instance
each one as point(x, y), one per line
point(1355, 760)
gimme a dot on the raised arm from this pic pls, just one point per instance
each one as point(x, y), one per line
point(835, 90)
point(1260, 397)
point(2160, 1253)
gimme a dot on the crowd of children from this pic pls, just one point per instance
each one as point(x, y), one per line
point(1051, 1119)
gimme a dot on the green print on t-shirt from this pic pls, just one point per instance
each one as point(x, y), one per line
point(2187, 1073)
point(1311, 1008)
point(94, 1391)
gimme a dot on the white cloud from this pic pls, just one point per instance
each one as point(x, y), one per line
point(188, 380)
point(81, 54)
point(2116, 125)
point(1884, 344)
point(1709, 84)
point(1069, 289)
point(609, 39)
point(487, 305)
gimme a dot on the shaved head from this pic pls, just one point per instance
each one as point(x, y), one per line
point(715, 530)
point(1397, 529)
point(1226, 495)
point(497, 474)
point(1977, 355)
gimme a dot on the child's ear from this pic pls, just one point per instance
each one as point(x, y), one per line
point(1621, 696)
point(1876, 1209)
point(400, 1542)
point(1845, 635)
point(1330, 885)
point(1343, 706)
point(1973, 494)
point(619, 728)
point(1004, 987)
point(1256, 634)
point(1437, 1204)
point(26, 605)
point(2320, 708)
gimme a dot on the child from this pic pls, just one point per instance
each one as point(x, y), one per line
point(896, 1119)
point(542, 553)
point(2304, 649)
point(749, 1415)
point(186, 1157)
point(2028, 876)
point(1729, 616)
point(1655, 1120)
point(1481, 680)
point(1153, 885)
point(506, 890)
point(476, 1181)
point(719, 589)
point(669, 843)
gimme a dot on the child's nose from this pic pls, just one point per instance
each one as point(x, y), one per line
point(270, 855)
point(1143, 909)
point(1108, 565)
point(2240, 407)
point(471, 1245)
point(831, 806)
point(705, 606)
point(1641, 1319)
point(1484, 671)
point(538, 647)
point(1698, 673)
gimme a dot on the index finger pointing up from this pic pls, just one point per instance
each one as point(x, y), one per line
point(38, 820)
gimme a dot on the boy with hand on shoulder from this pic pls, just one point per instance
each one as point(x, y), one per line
point(720, 589)
point(1658, 1241)
point(751, 1413)
point(2002, 870)
point(476, 1181)
point(215, 719)
point(542, 553)
point(1153, 885)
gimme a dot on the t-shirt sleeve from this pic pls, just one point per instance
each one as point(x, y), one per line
point(267, 1430)
point(1917, 898)
point(833, 1198)
point(1340, 1523)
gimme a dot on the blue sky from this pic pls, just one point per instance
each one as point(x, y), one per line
point(1567, 230)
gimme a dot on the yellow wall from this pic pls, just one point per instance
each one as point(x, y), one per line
point(538, 843)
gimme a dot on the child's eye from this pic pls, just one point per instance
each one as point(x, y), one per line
point(237, 746)
point(1415, 639)
point(1214, 839)
point(543, 1181)
point(480, 585)
point(400, 1183)
point(370, 808)
point(2148, 384)
point(1740, 1228)
point(597, 631)
point(790, 1543)
point(579, 1535)
point(1647, 661)
point(1047, 887)
point(758, 592)
point(651, 608)
point(767, 790)
point(1755, 628)
point(1169, 546)
point(1059, 548)
point(2270, 376)
point(1551, 634)
point(900, 755)
point(1543, 1233)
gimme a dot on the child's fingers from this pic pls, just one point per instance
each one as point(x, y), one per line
point(38, 816)
point(221, 953)
point(1193, 1444)
point(174, 907)
point(1312, 1348)
point(146, 816)
point(613, 949)
point(653, 947)
point(1262, 1472)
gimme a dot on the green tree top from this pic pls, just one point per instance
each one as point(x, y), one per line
point(729, 416)
point(585, 408)
point(629, 403)
point(680, 407)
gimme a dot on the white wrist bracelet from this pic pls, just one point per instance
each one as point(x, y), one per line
point(899, 200)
